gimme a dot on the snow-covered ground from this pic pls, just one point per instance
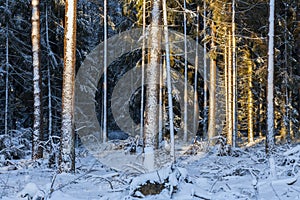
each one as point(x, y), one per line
point(244, 174)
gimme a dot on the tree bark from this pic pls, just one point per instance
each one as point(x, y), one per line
point(37, 149)
point(212, 88)
point(152, 79)
point(185, 133)
point(270, 142)
point(67, 157)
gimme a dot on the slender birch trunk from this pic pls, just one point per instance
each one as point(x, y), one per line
point(104, 133)
point(6, 77)
point(169, 85)
point(152, 72)
point(143, 71)
point(185, 133)
point(161, 102)
point(196, 107)
point(270, 145)
point(234, 79)
point(67, 157)
point(37, 149)
point(49, 75)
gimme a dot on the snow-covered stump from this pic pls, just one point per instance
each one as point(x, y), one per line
point(164, 180)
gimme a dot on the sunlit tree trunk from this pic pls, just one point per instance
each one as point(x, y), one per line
point(212, 87)
point(37, 149)
point(270, 142)
point(67, 159)
point(270, 89)
point(226, 85)
point(250, 99)
point(234, 79)
point(286, 119)
point(169, 85)
point(205, 108)
point(230, 91)
point(152, 79)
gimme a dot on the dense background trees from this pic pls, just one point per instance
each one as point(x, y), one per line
point(236, 38)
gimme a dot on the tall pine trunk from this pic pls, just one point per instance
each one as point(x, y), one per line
point(37, 149)
point(67, 157)
point(212, 87)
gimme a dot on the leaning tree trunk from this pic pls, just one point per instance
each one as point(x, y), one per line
point(67, 157)
point(152, 79)
point(37, 149)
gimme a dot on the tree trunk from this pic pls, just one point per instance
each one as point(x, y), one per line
point(185, 77)
point(152, 78)
point(6, 77)
point(205, 109)
point(143, 71)
point(170, 103)
point(196, 107)
point(104, 133)
point(234, 79)
point(250, 99)
point(212, 88)
point(67, 157)
point(37, 149)
point(270, 142)
point(230, 91)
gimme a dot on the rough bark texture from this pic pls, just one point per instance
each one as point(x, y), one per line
point(67, 159)
point(37, 150)
point(212, 90)
point(152, 79)
point(270, 92)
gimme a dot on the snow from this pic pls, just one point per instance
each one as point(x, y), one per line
point(247, 175)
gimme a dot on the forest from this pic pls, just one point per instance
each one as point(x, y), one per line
point(123, 99)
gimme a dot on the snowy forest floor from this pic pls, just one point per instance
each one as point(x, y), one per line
point(244, 174)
